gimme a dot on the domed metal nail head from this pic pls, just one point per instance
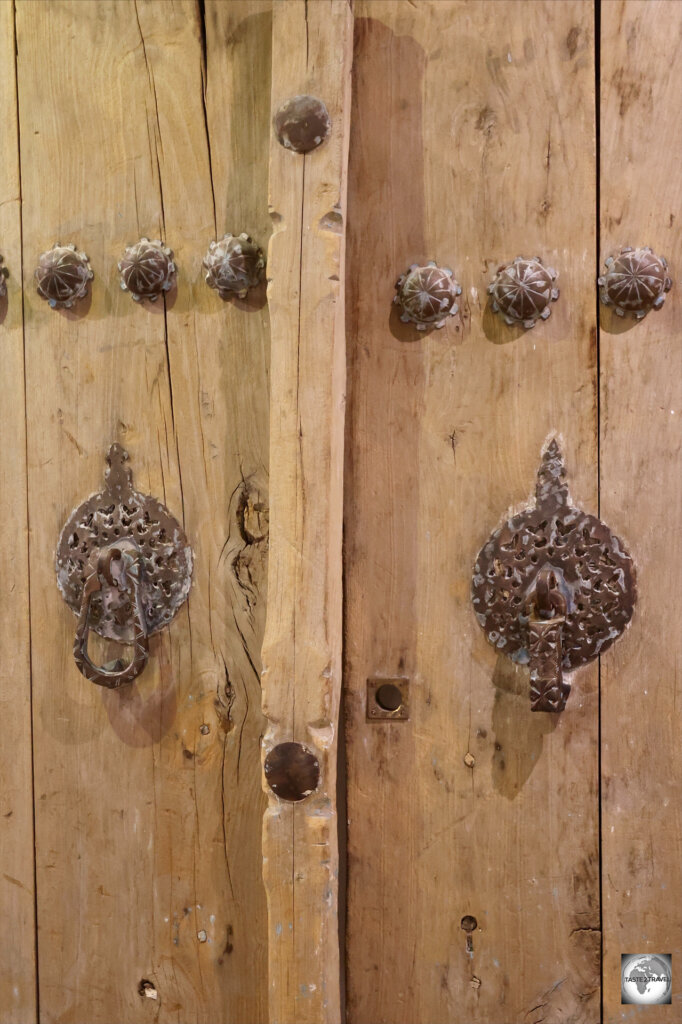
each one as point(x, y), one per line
point(147, 269)
point(521, 291)
point(302, 123)
point(292, 771)
point(636, 281)
point(62, 275)
point(233, 265)
point(427, 295)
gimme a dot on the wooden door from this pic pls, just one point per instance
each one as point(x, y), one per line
point(477, 135)
point(135, 119)
point(331, 466)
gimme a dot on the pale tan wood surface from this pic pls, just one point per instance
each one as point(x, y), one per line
point(17, 960)
point(148, 801)
point(472, 140)
point(312, 45)
point(641, 496)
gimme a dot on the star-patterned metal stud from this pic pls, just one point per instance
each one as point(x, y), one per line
point(636, 281)
point(427, 295)
point(233, 265)
point(62, 275)
point(522, 291)
point(147, 269)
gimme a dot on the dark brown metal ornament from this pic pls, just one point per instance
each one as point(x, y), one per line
point(124, 566)
point(147, 269)
point(553, 587)
point(523, 290)
point(62, 275)
point(233, 265)
point(636, 281)
point(427, 295)
point(302, 123)
point(292, 771)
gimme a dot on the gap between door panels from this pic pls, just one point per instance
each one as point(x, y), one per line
point(597, 111)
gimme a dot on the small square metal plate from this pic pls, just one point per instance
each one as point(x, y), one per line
point(388, 699)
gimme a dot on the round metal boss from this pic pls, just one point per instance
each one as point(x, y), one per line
point(147, 269)
point(636, 280)
point(427, 295)
point(233, 265)
point(302, 123)
point(62, 275)
point(292, 771)
point(522, 291)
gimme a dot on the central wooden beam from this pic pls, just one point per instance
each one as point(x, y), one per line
point(312, 54)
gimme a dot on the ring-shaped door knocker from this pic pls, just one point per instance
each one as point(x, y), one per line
point(124, 566)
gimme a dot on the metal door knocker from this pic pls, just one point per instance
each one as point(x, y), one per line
point(124, 566)
point(552, 586)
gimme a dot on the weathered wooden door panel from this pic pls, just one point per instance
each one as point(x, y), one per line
point(148, 801)
point(17, 891)
point(472, 140)
point(641, 495)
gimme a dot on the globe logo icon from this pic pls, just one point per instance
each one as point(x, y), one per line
point(646, 978)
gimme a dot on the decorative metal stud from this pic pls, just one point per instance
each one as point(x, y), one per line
point(124, 565)
point(147, 270)
point(3, 282)
point(427, 295)
point(522, 291)
point(636, 281)
point(302, 123)
point(292, 771)
point(62, 275)
point(552, 586)
point(233, 265)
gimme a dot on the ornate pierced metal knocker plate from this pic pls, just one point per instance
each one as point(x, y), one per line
point(124, 566)
point(552, 586)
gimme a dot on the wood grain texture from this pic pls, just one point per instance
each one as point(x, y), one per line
point(472, 142)
point(641, 496)
point(312, 45)
point(17, 962)
point(148, 800)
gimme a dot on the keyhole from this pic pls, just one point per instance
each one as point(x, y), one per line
point(389, 697)
point(469, 924)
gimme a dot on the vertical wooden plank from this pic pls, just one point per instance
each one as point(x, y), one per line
point(302, 647)
point(149, 804)
point(473, 142)
point(641, 496)
point(17, 895)
point(219, 357)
